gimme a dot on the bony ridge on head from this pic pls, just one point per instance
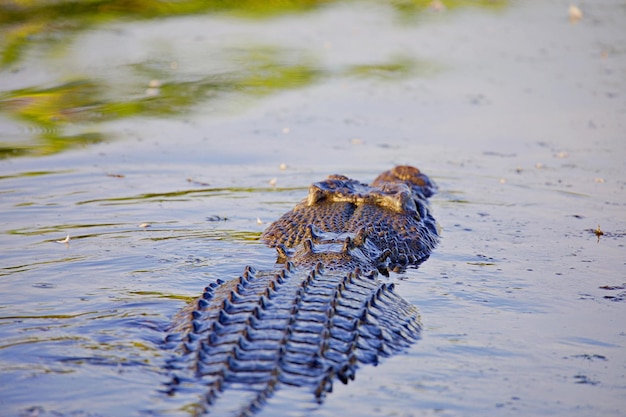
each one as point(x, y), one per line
point(419, 183)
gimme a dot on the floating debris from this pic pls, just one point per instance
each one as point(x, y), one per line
point(607, 235)
point(574, 13)
point(66, 240)
point(116, 175)
point(44, 285)
point(598, 232)
point(621, 296)
point(154, 88)
point(613, 287)
point(216, 218)
point(144, 225)
point(481, 263)
point(437, 6)
point(192, 181)
point(584, 379)
point(587, 357)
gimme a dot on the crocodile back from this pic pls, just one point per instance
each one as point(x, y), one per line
point(297, 328)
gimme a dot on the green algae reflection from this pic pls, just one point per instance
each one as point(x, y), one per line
point(70, 112)
point(27, 22)
point(87, 102)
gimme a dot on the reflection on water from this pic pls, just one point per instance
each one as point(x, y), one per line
point(64, 115)
point(52, 23)
point(188, 194)
point(521, 289)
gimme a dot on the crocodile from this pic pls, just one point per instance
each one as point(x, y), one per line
point(323, 310)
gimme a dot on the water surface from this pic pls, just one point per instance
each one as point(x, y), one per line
point(163, 143)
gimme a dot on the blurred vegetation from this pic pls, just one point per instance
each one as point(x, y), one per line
point(396, 68)
point(416, 6)
point(66, 115)
point(86, 102)
point(24, 22)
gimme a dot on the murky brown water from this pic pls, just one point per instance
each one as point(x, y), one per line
point(182, 123)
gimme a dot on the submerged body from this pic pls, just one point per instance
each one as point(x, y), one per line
point(323, 311)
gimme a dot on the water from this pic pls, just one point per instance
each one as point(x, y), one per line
point(156, 144)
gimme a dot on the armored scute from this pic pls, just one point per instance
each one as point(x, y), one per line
point(323, 311)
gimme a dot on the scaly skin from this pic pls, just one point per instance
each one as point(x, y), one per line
point(323, 311)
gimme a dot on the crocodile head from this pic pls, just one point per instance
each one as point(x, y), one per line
point(385, 226)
